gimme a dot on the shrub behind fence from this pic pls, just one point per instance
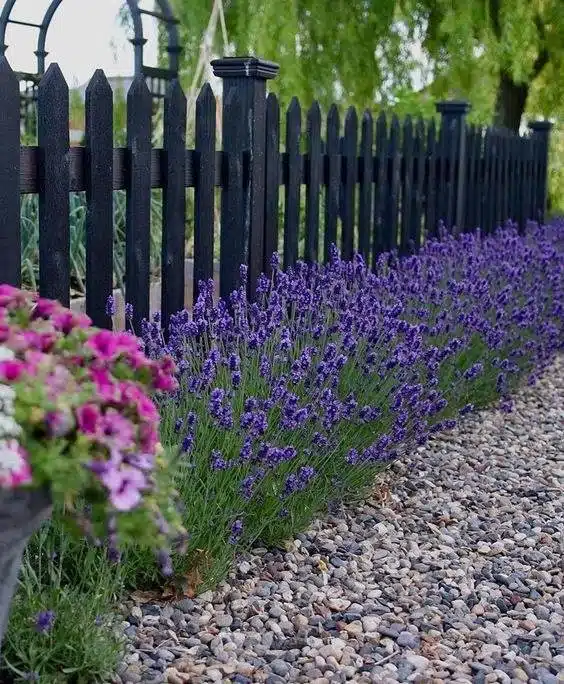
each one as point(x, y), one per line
point(370, 186)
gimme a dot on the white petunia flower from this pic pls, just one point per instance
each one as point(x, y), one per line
point(10, 456)
point(8, 427)
point(6, 354)
point(14, 468)
point(11, 460)
point(7, 392)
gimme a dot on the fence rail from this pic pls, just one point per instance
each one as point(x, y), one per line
point(371, 185)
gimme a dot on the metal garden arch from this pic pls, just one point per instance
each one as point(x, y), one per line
point(157, 78)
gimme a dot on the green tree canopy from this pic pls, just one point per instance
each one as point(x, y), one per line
point(500, 54)
point(505, 56)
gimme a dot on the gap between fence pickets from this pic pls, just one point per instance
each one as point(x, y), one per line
point(78, 305)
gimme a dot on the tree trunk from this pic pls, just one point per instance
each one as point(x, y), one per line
point(510, 102)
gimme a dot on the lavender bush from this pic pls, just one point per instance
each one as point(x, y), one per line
point(299, 399)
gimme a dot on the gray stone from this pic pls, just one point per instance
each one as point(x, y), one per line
point(419, 662)
point(404, 669)
point(407, 639)
point(280, 667)
point(165, 654)
point(544, 651)
point(185, 605)
point(275, 611)
point(223, 620)
point(132, 675)
point(275, 679)
point(546, 676)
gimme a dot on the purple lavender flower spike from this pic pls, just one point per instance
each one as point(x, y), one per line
point(44, 621)
point(236, 531)
point(217, 461)
point(110, 306)
point(355, 366)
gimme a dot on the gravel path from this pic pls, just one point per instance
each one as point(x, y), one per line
point(453, 574)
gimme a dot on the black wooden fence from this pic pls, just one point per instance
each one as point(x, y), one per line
point(371, 186)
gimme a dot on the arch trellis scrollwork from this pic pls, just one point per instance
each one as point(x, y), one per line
point(156, 77)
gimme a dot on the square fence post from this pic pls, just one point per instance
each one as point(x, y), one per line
point(541, 131)
point(243, 196)
point(453, 147)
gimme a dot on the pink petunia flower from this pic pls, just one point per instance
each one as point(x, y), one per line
point(48, 340)
point(136, 359)
point(21, 476)
point(167, 365)
point(105, 386)
point(11, 370)
point(104, 344)
point(88, 416)
point(125, 485)
point(66, 320)
point(147, 409)
point(115, 431)
point(148, 437)
point(35, 359)
point(44, 308)
point(59, 423)
point(58, 382)
point(4, 332)
point(30, 339)
point(11, 297)
point(126, 342)
point(9, 291)
point(131, 394)
point(163, 381)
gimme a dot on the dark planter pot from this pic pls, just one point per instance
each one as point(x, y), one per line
point(21, 514)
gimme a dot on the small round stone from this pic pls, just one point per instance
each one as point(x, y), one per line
point(407, 639)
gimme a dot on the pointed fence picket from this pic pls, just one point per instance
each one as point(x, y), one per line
point(378, 186)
